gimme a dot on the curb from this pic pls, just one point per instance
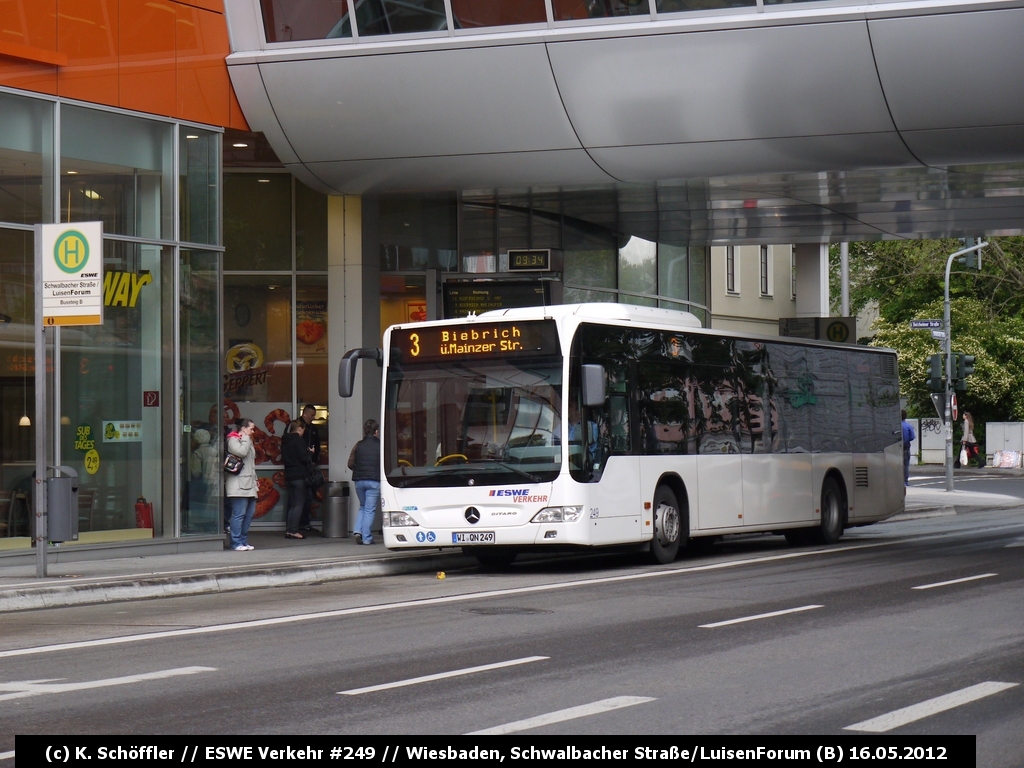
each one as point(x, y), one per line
point(135, 588)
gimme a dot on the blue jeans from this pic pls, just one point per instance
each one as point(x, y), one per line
point(242, 510)
point(368, 492)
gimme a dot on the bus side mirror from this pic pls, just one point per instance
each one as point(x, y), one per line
point(347, 369)
point(592, 379)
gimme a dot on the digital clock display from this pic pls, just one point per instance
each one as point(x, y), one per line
point(529, 261)
point(474, 341)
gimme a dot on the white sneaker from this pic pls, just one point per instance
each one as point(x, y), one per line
point(242, 548)
point(249, 547)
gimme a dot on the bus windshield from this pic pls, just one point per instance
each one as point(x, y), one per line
point(486, 422)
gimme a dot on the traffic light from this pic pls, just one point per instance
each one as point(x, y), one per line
point(964, 367)
point(935, 383)
point(971, 260)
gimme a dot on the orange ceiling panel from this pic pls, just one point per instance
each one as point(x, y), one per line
point(164, 57)
point(27, 25)
point(87, 34)
point(30, 22)
point(202, 78)
point(237, 118)
point(217, 6)
point(147, 66)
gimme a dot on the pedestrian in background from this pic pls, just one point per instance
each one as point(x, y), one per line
point(311, 436)
point(364, 461)
point(909, 436)
point(240, 489)
point(970, 441)
point(204, 469)
point(297, 464)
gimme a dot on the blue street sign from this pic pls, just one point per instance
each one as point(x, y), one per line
point(924, 325)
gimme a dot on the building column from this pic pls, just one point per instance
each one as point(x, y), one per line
point(811, 279)
point(353, 311)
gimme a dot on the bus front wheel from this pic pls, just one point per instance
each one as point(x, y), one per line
point(831, 527)
point(668, 526)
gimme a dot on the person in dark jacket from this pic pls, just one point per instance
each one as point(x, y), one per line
point(365, 465)
point(297, 463)
point(311, 436)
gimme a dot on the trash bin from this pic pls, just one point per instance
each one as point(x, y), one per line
point(335, 523)
point(62, 506)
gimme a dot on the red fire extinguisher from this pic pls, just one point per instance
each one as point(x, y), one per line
point(143, 513)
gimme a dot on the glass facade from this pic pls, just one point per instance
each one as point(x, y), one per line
point(26, 160)
point(117, 169)
point(155, 186)
point(274, 319)
point(605, 248)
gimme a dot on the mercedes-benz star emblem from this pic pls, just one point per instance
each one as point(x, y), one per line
point(472, 515)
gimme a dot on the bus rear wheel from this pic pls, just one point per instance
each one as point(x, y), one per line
point(668, 526)
point(830, 529)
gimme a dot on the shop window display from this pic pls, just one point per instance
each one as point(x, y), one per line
point(259, 343)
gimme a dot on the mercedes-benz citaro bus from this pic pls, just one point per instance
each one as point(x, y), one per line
point(593, 425)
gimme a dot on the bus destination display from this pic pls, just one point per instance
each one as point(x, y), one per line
point(476, 341)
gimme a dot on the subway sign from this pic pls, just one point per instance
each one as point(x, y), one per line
point(473, 341)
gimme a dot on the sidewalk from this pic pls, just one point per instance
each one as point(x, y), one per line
point(278, 561)
point(275, 562)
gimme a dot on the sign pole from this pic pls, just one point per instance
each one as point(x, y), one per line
point(68, 291)
point(39, 364)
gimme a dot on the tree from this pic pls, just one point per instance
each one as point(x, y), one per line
point(905, 280)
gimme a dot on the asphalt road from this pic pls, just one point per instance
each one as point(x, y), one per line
point(855, 632)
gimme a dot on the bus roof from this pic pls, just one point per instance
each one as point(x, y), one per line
point(607, 312)
point(600, 311)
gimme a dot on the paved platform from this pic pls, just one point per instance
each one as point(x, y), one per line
point(277, 561)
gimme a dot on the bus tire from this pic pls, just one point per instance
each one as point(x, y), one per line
point(492, 558)
point(830, 529)
point(668, 526)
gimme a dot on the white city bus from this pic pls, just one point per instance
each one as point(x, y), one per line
point(606, 424)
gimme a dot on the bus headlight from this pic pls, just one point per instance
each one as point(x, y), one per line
point(557, 515)
point(398, 519)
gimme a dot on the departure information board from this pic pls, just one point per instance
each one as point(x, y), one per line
point(476, 297)
point(481, 340)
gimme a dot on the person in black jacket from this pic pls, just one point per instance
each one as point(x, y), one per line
point(311, 436)
point(365, 465)
point(297, 463)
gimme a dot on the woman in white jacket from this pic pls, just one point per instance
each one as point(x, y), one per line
point(240, 489)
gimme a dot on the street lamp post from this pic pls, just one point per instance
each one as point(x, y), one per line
point(948, 350)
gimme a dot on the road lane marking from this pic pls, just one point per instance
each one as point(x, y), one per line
point(910, 714)
point(760, 616)
point(7, 755)
point(573, 713)
point(442, 675)
point(25, 688)
point(955, 581)
point(430, 601)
